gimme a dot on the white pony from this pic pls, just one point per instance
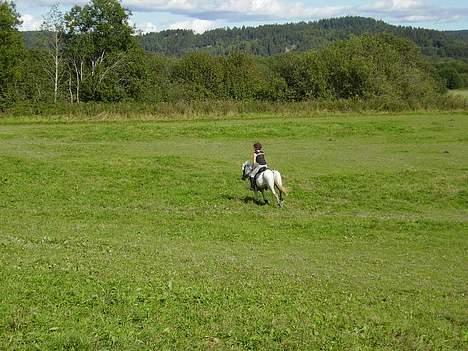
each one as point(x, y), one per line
point(268, 179)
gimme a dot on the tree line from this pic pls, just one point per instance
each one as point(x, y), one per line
point(91, 53)
point(267, 40)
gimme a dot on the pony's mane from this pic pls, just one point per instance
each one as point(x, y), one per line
point(248, 165)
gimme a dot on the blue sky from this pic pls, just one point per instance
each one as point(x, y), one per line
point(201, 15)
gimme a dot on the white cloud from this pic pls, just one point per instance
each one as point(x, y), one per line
point(276, 9)
point(197, 25)
point(148, 27)
point(236, 10)
point(419, 18)
point(49, 3)
point(163, 5)
point(202, 14)
point(413, 11)
point(239, 10)
point(392, 5)
point(267, 10)
point(30, 22)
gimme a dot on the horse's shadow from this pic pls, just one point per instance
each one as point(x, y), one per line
point(246, 199)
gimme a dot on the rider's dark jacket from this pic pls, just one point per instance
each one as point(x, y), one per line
point(260, 157)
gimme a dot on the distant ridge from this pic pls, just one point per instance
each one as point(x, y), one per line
point(272, 39)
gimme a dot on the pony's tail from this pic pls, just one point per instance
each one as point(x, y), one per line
point(279, 183)
point(282, 189)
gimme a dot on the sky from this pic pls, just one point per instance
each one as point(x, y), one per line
point(202, 15)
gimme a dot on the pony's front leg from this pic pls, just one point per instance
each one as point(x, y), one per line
point(264, 198)
point(256, 196)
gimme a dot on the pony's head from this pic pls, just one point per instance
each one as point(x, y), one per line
point(246, 168)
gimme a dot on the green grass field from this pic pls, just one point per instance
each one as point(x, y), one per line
point(140, 235)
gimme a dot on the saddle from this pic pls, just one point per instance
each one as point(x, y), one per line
point(254, 181)
point(260, 171)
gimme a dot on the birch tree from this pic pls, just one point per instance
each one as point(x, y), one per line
point(53, 26)
point(98, 39)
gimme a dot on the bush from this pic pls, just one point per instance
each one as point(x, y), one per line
point(344, 75)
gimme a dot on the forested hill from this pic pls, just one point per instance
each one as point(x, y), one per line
point(459, 34)
point(268, 40)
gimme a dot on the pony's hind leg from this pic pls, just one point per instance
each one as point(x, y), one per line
point(279, 186)
point(278, 200)
point(270, 180)
point(281, 194)
point(272, 188)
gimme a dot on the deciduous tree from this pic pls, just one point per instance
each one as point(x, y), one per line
point(53, 27)
point(98, 38)
point(11, 52)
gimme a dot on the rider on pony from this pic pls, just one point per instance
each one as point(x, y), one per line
point(259, 162)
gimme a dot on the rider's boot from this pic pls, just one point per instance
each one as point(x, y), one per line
point(252, 184)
